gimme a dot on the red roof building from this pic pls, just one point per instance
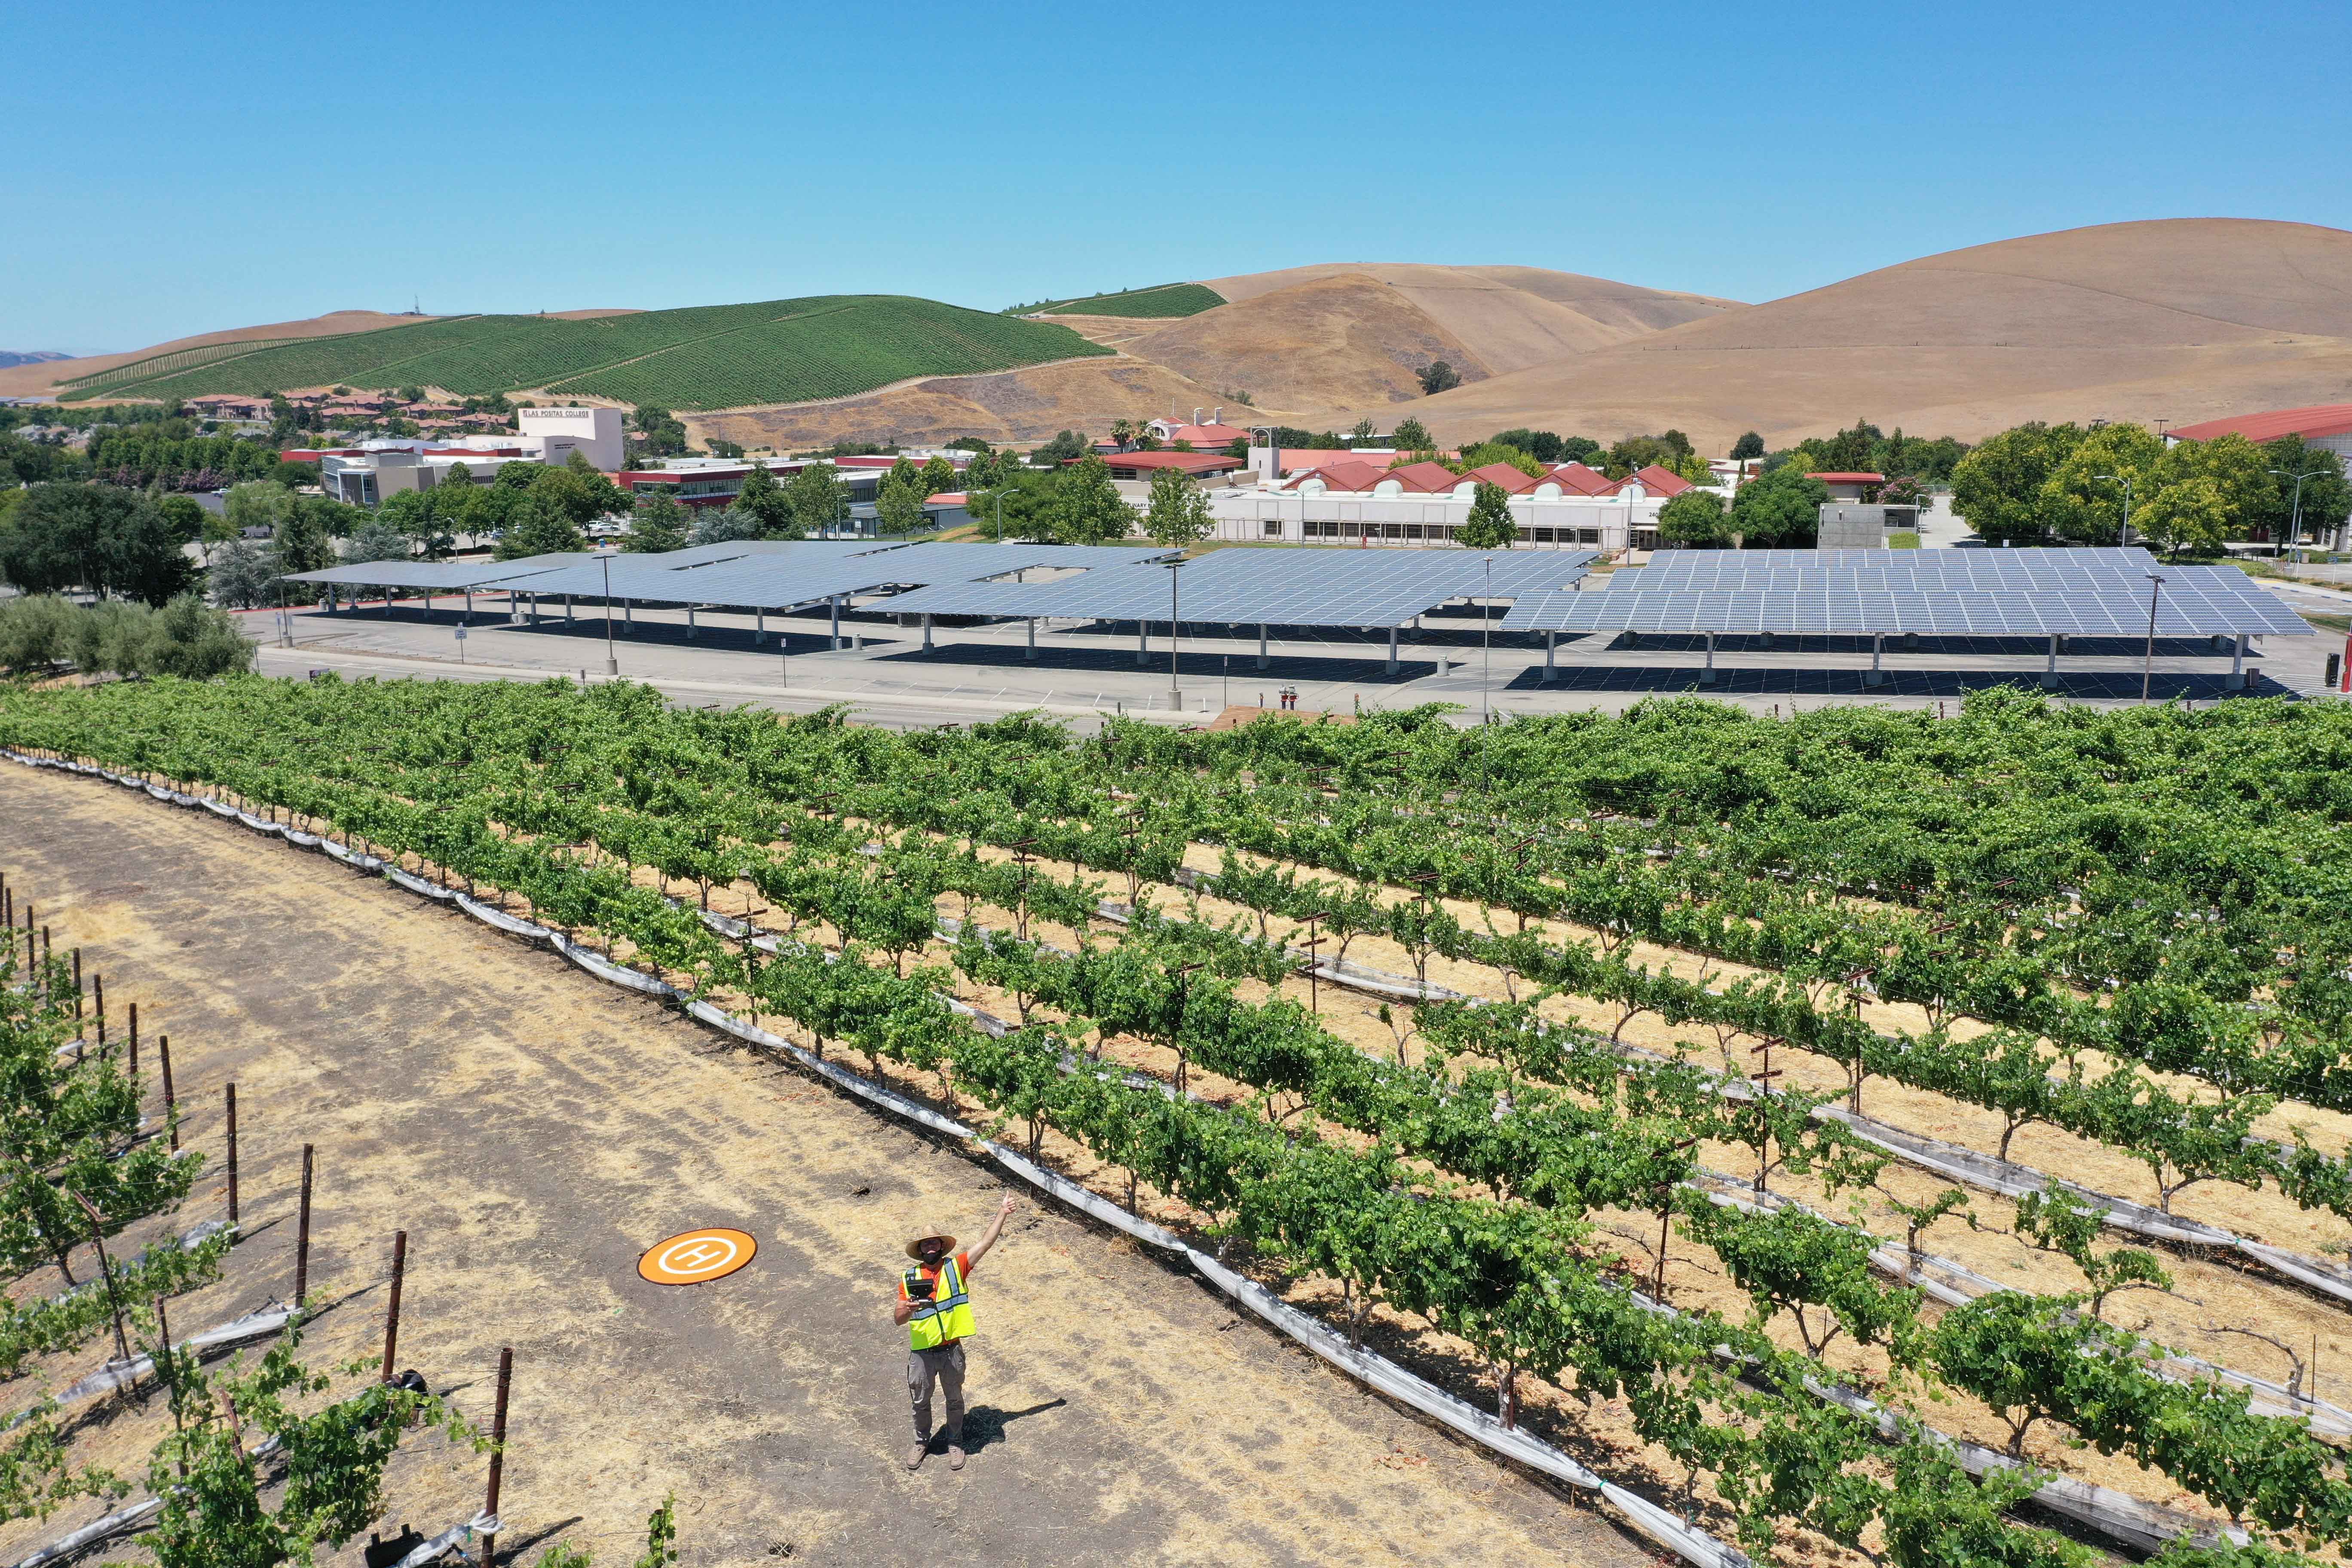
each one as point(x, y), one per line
point(1348, 475)
point(1423, 477)
point(1575, 479)
point(1516, 482)
point(1143, 465)
point(2313, 424)
point(1657, 481)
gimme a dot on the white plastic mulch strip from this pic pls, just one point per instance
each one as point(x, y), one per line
point(418, 885)
point(116, 1523)
point(510, 924)
point(450, 1540)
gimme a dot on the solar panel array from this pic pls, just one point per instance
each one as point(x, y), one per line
point(1272, 588)
point(1943, 592)
point(746, 573)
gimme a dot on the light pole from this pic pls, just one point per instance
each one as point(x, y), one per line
point(1175, 697)
point(2294, 529)
point(2124, 538)
point(999, 499)
point(2147, 670)
point(612, 664)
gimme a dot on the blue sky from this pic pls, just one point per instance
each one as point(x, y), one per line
point(179, 169)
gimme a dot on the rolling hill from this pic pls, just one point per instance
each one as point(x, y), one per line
point(2174, 319)
point(46, 378)
point(717, 356)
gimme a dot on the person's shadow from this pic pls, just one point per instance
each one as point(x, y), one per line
point(985, 1423)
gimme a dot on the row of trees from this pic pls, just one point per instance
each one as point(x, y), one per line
point(70, 536)
point(2040, 483)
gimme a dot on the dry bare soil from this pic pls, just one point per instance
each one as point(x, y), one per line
point(2181, 319)
point(533, 1130)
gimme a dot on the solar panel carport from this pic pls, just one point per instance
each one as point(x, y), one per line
point(2118, 593)
point(1366, 590)
point(759, 575)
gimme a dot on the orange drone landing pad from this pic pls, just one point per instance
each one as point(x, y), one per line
point(696, 1257)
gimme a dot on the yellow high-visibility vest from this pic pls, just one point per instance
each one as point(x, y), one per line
point(947, 1315)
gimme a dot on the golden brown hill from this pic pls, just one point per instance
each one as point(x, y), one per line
point(1510, 318)
point(1010, 406)
point(2177, 319)
point(1329, 343)
point(40, 380)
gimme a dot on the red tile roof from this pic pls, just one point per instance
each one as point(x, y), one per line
point(1575, 479)
point(1843, 479)
point(1517, 481)
point(1350, 474)
point(1210, 435)
point(1656, 481)
point(1190, 462)
point(2310, 424)
point(1427, 479)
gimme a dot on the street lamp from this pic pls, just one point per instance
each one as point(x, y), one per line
point(1175, 697)
point(612, 665)
point(2125, 481)
point(2147, 670)
point(2294, 529)
point(999, 499)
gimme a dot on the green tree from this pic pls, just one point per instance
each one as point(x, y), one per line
point(815, 494)
point(1998, 489)
point(1696, 520)
point(659, 525)
point(899, 499)
point(1412, 435)
point(303, 544)
point(2190, 515)
point(184, 515)
point(1177, 513)
point(1636, 452)
point(765, 502)
point(1748, 445)
point(940, 478)
point(1438, 376)
point(2244, 494)
point(1781, 510)
point(2083, 498)
point(1489, 526)
point(1487, 452)
point(1064, 447)
point(380, 538)
point(243, 575)
point(538, 526)
point(1087, 508)
point(2326, 499)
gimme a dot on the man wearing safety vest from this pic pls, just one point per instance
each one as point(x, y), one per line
point(935, 1305)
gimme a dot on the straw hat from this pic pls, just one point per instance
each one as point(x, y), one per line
point(915, 1247)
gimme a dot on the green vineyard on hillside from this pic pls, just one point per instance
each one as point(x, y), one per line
point(1168, 299)
point(853, 346)
point(715, 356)
point(156, 365)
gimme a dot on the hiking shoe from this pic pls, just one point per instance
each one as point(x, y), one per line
point(955, 1457)
point(915, 1456)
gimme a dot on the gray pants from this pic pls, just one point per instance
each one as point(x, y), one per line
point(946, 1365)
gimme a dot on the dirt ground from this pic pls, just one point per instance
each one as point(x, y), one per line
point(534, 1131)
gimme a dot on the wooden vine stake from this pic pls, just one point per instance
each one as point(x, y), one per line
point(497, 1454)
point(303, 1235)
point(391, 1306)
point(232, 1153)
point(164, 1058)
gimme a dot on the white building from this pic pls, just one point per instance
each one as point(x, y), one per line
point(365, 475)
point(1568, 507)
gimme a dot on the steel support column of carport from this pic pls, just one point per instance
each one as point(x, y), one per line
point(1707, 671)
point(1392, 651)
point(1032, 650)
point(2050, 675)
point(2238, 682)
point(1877, 672)
point(1551, 646)
point(1261, 644)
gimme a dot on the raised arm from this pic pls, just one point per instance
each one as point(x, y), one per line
point(995, 1229)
